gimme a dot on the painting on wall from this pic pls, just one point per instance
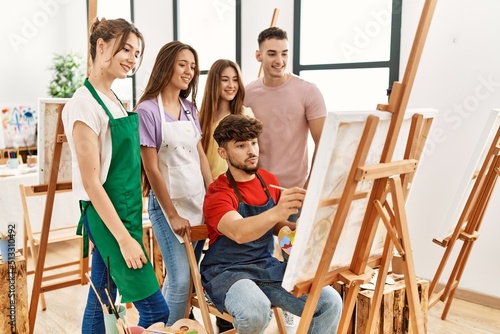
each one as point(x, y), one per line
point(338, 144)
point(19, 126)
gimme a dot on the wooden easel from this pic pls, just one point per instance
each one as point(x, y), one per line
point(51, 189)
point(274, 21)
point(389, 178)
point(52, 186)
point(467, 228)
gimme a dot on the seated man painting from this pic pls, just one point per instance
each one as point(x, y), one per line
point(243, 212)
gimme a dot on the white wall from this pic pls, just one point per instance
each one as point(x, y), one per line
point(257, 17)
point(32, 31)
point(157, 29)
point(461, 54)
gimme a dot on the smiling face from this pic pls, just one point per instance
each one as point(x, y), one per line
point(229, 84)
point(273, 54)
point(183, 71)
point(124, 61)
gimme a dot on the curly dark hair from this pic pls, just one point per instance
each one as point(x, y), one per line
point(237, 128)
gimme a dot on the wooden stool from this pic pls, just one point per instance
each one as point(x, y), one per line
point(394, 311)
point(14, 316)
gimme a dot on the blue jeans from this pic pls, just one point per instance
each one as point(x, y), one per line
point(151, 309)
point(250, 305)
point(177, 282)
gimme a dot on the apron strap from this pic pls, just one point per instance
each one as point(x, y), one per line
point(264, 186)
point(233, 184)
point(98, 98)
point(80, 230)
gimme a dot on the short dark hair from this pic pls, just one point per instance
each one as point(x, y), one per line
point(237, 128)
point(272, 32)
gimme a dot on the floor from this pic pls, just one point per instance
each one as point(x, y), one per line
point(65, 309)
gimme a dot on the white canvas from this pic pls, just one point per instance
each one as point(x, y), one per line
point(464, 189)
point(339, 141)
point(46, 140)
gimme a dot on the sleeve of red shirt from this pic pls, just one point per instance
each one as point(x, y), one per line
point(220, 199)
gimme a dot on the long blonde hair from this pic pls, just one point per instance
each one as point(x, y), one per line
point(212, 96)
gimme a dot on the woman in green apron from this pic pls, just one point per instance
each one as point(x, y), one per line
point(104, 142)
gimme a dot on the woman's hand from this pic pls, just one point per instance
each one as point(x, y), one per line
point(180, 225)
point(132, 253)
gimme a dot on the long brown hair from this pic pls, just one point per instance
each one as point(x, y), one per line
point(211, 98)
point(163, 70)
point(160, 77)
point(111, 29)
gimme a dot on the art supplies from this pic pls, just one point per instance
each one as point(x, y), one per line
point(119, 320)
point(103, 306)
point(277, 187)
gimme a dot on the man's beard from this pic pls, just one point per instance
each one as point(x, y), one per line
point(243, 167)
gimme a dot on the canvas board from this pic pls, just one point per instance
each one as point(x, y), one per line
point(336, 150)
point(476, 161)
point(48, 114)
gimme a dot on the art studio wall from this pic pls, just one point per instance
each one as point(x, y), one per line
point(459, 75)
point(31, 33)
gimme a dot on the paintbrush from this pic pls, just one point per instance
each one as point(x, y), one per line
point(108, 274)
point(278, 187)
point(104, 308)
point(119, 321)
point(118, 299)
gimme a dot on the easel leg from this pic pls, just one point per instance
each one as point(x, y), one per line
point(401, 223)
point(455, 276)
point(348, 309)
point(379, 286)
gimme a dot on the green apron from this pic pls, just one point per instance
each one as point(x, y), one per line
point(123, 186)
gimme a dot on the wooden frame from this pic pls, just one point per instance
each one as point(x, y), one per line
point(50, 189)
point(339, 205)
point(76, 269)
point(335, 156)
point(469, 222)
point(388, 181)
point(471, 172)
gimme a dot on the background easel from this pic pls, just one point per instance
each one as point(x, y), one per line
point(52, 186)
point(274, 21)
point(50, 189)
point(467, 228)
point(389, 178)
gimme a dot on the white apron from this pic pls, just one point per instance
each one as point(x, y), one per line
point(179, 164)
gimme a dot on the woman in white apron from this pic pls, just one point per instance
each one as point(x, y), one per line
point(176, 168)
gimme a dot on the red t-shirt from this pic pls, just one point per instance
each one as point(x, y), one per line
point(221, 198)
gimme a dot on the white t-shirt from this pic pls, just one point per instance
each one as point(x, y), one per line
point(83, 107)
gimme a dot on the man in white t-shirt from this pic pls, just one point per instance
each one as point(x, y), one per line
point(289, 107)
